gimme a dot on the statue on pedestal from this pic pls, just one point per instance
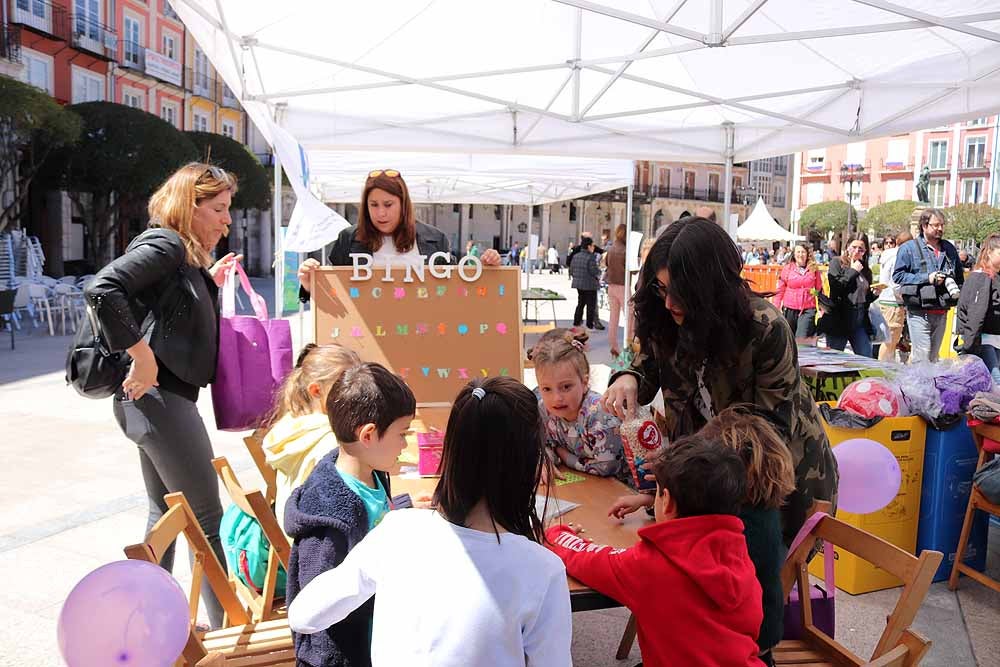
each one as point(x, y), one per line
point(925, 179)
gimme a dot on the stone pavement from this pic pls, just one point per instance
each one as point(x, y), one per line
point(71, 497)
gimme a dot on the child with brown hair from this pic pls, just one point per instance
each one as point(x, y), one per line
point(578, 432)
point(770, 477)
point(299, 432)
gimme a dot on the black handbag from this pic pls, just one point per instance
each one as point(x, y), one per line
point(93, 370)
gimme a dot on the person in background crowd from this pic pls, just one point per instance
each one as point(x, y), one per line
point(553, 259)
point(977, 319)
point(615, 260)
point(851, 291)
point(889, 301)
point(876, 255)
point(833, 248)
point(765, 255)
point(586, 281)
point(798, 285)
point(515, 253)
point(965, 259)
point(928, 260)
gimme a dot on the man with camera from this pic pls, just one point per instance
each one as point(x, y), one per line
point(930, 277)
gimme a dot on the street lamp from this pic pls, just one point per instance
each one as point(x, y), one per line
point(851, 174)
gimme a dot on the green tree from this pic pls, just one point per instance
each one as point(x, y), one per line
point(122, 156)
point(826, 217)
point(254, 189)
point(972, 221)
point(889, 218)
point(32, 125)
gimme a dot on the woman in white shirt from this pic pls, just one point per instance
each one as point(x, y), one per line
point(467, 583)
point(387, 229)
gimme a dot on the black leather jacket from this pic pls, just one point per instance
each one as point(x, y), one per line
point(177, 304)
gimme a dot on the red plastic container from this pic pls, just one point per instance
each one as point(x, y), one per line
point(429, 447)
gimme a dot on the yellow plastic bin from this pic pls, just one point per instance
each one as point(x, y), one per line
point(897, 522)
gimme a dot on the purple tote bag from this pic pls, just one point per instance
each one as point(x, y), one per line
point(255, 355)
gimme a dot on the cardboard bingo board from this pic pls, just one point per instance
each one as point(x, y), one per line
point(437, 330)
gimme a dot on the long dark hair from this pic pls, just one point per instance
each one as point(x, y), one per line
point(704, 266)
point(406, 233)
point(493, 451)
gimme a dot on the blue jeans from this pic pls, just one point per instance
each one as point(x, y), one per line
point(857, 336)
point(991, 357)
point(926, 334)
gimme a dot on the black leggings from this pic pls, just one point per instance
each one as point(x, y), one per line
point(175, 454)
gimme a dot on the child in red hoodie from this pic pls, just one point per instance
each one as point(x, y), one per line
point(689, 581)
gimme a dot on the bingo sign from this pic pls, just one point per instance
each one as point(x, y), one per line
point(437, 326)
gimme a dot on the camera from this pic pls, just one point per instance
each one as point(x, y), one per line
point(953, 289)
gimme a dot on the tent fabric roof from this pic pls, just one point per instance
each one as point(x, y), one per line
point(760, 226)
point(471, 179)
point(631, 79)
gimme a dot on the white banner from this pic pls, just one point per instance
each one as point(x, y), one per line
point(162, 67)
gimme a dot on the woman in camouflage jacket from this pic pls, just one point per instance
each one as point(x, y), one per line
point(708, 342)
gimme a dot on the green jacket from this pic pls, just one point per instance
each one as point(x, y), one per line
point(766, 376)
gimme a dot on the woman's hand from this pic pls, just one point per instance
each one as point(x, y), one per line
point(305, 271)
point(222, 267)
point(625, 505)
point(620, 398)
point(142, 374)
point(857, 265)
point(422, 500)
point(491, 258)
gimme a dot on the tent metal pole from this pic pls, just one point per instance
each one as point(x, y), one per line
point(577, 52)
point(628, 274)
point(531, 219)
point(279, 264)
point(730, 137)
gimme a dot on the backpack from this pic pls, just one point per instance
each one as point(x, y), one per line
point(247, 550)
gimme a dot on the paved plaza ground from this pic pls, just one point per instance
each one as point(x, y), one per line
point(71, 497)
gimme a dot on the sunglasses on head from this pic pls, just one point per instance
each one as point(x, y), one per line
point(391, 173)
point(216, 173)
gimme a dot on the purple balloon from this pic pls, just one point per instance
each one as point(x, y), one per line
point(869, 475)
point(129, 613)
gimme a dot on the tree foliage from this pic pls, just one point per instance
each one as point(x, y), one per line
point(826, 217)
point(972, 221)
point(122, 156)
point(889, 218)
point(254, 191)
point(32, 125)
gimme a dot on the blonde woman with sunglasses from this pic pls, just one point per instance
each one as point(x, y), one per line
point(159, 302)
point(387, 229)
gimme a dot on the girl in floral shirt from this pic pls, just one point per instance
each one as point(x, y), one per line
point(578, 432)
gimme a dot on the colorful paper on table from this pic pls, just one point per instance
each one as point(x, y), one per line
point(554, 509)
point(569, 478)
point(437, 333)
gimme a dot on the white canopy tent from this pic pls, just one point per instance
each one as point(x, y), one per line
point(761, 226)
point(695, 80)
point(471, 178)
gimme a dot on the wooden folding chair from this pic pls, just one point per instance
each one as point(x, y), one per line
point(255, 445)
point(977, 501)
point(262, 603)
point(242, 643)
point(898, 646)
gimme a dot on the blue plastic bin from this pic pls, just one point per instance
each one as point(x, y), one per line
point(949, 461)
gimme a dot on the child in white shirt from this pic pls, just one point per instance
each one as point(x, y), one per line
point(460, 585)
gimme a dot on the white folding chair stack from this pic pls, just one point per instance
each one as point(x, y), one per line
point(69, 302)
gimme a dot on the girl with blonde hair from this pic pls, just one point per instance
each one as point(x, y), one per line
point(299, 434)
point(159, 302)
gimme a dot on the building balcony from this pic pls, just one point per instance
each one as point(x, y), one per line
point(856, 171)
point(229, 98)
point(42, 17)
point(940, 168)
point(132, 55)
point(10, 43)
point(975, 165)
point(95, 38)
point(201, 84)
point(821, 169)
point(716, 195)
point(896, 166)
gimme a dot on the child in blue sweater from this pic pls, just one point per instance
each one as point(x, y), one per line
point(347, 495)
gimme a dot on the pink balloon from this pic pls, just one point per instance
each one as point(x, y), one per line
point(869, 475)
point(129, 613)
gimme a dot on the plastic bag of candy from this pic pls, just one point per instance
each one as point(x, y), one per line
point(642, 441)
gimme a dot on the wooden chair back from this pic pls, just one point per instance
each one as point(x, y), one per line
point(177, 520)
point(253, 502)
point(977, 502)
point(255, 445)
point(916, 573)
